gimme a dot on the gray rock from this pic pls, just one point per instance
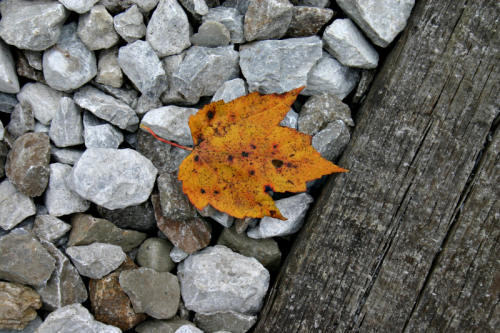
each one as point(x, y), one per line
point(188, 329)
point(290, 120)
point(143, 67)
point(175, 204)
point(222, 218)
point(116, 6)
point(96, 29)
point(50, 228)
point(14, 206)
point(380, 20)
point(266, 251)
point(330, 76)
point(21, 121)
point(108, 69)
point(9, 82)
point(195, 7)
point(267, 19)
point(147, 103)
point(229, 321)
point(4, 150)
point(177, 255)
point(168, 29)
point(201, 72)
point(21, 18)
point(59, 199)
point(293, 208)
point(107, 107)
point(7, 102)
point(74, 318)
point(2, 131)
point(331, 140)
point(277, 66)
point(65, 286)
point(171, 65)
point(232, 20)
point(24, 259)
point(211, 34)
point(155, 253)
point(240, 5)
point(34, 59)
point(346, 43)
point(99, 134)
point(364, 84)
point(307, 21)
point(146, 5)
point(161, 326)
point(130, 24)
point(125, 94)
point(65, 155)
point(113, 178)
point(320, 110)
point(154, 293)
point(66, 128)
point(43, 101)
point(69, 64)
point(230, 90)
point(87, 229)
point(30, 328)
point(97, 259)
point(27, 164)
point(218, 279)
point(41, 128)
point(140, 217)
point(312, 3)
point(171, 122)
point(79, 6)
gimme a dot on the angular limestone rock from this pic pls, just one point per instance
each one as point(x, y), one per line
point(14, 206)
point(18, 305)
point(97, 259)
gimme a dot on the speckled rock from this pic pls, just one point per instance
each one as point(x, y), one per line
point(175, 204)
point(14, 206)
point(211, 34)
point(7, 102)
point(18, 306)
point(97, 259)
point(232, 20)
point(4, 150)
point(30, 328)
point(9, 82)
point(79, 6)
point(195, 7)
point(34, 59)
point(225, 321)
point(27, 165)
point(100, 134)
point(108, 69)
point(124, 94)
point(24, 69)
point(188, 329)
point(307, 21)
point(65, 155)
point(140, 217)
point(312, 3)
point(21, 121)
point(50, 228)
point(240, 5)
point(155, 253)
point(171, 123)
point(146, 5)
point(161, 326)
point(290, 119)
point(43, 101)
point(267, 19)
point(66, 128)
point(177, 255)
point(96, 29)
point(230, 90)
point(220, 217)
point(331, 140)
point(130, 24)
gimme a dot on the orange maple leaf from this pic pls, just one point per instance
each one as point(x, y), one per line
point(240, 153)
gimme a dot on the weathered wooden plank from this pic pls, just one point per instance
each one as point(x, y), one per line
point(370, 245)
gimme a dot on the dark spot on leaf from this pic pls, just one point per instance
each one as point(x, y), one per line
point(210, 114)
point(275, 146)
point(244, 154)
point(267, 188)
point(290, 182)
point(292, 155)
point(196, 158)
point(272, 212)
point(252, 172)
point(277, 163)
point(230, 158)
point(289, 164)
point(202, 191)
point(252, 146)
point(216, 192)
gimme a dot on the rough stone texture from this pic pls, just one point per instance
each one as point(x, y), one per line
point(117, 6)
point(380, 20)
point(290, 120)
point(171, 123)
point(312, 3)
point(331, 141)
point(240, 5)
point(65, 155)
point(174, 203)
point(50, 228)
point(407, 241)
point(155, 253)
point(188, 235)
point(307, 21)
point(232, 20)
point(330, 76)
point(109, 302)
point(2, 131)
point(143, 67)
point(107, 107)
point(97, 259)
point(364, 84)
point(108, 69)
point(27, 165)
point(130, 24)
point(146, 5)
point(30, 328)
point(99, 134)
point(266, 251)
point(201, 72)
point(140, 217)
point(14, 206)
point(21, 121)
point(24, 69)
point(162, 326)
point(43, 101)
point(113, 178)
point(218, 279)
point(146, 103)
point(225, 321)
point(230, 90)
point(65, 286)
point(69, 64)
point(59, 199)
point(96, 29)
point(188, 329)
point(154, 293)
point(9, 82)
point(211, 34)
point(20, 18)
point(277, 66)
point(222, 218)
point(195, 7)
point(293, 208)
point(267, 19)
point(74, 318)
point(7, 102)
point(41, 128)
point(34, 59)
point(320, 110)
point(125, 94)
point(18, 306)
point(168, 29)
point(79, 6)
point(177, 255)
point(66, 128)
point(4, 150)
point(346, 43)
point(24, 259)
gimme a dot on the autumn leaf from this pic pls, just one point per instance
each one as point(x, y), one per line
point(240, 153)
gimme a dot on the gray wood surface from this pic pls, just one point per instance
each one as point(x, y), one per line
point(409, 239)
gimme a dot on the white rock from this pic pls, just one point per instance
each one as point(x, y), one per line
point(230, 90)
point(290, 120)
point(79, 6)
point(130, 24)
point(14, 206)
point(66, 128)
point(293, 208)
point(96, 29)
point(97, 259)
point(65, 155)
point(222, 218)
point(331, 140)
point(43, 100)
point(346, 43)
point(188, 329)
point(171, 122)
point(9, 82)
point(177, 255)
point(108, 69)
point(99, 134)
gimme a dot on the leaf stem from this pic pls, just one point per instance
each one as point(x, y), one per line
point(163, 140)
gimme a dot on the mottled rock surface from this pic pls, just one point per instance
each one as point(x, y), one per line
point(171, 122)
point(21, 121)
point(50, 228)
point(162, 326)
point(225, 321)
point(14, 206)
point(99, 134)
point(65, 155)
point(66, 128)
point(130, 24)
point(140, 217)
point(267, 19)
point(18, 305)
point(232, 20)
point(79, 6)
point(155, 253)
point(43, 100)
point(307, 21)
point(230, 90)
point(9, 83)
point(331, 140)
point(97, 259)
point(108, 69)
point(175, 204)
